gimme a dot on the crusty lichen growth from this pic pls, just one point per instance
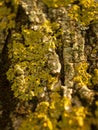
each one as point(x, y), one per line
point(34, 69)
point(57, 3)
point(84, 12)
point(82, 77)
point(6, 22)
point(28, 73)
point(33, 61)
point(56, 116)
point(8, 14)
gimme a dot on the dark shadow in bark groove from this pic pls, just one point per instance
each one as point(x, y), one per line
point(93, 127)
point(91, 41)
point(8, 102)
point(6, 95)
point(59, 51)
point(91, 44)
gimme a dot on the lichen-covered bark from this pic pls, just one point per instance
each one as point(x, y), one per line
point(44, 51)
point(73, 52)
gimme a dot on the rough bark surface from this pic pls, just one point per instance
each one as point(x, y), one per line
point(76, 48)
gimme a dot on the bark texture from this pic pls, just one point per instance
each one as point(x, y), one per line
point(72, 63)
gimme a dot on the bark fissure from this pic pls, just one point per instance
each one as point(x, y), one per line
point(66, 62)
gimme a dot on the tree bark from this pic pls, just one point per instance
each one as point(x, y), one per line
point(76, 47)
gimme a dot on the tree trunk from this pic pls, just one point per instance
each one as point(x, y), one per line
point(71, 57)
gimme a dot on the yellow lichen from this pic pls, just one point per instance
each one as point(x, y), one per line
point(82, 77)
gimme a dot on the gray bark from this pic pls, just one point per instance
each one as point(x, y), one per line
point(77, 45)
